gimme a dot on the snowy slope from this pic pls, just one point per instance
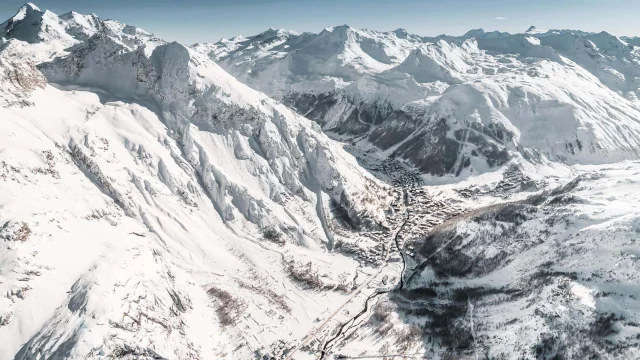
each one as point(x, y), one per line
point(123, 244)
point(152, 206)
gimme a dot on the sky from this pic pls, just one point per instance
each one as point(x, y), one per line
point(190, 21)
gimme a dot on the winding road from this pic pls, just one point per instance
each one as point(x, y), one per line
point(364, 284)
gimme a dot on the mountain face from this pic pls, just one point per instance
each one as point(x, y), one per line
point(264, 197)
point(484, 96)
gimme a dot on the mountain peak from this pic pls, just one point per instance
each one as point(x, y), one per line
point(337, 28)
point(474, 33)
point(30, 6)
point(32, 25)
point(341, 31)
point(25, 11)
point(272, 33)
point(606, 33)
point(73, 14)
point(401, 33)
point(532, 30)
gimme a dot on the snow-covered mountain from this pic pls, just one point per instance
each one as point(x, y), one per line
point(32, 25)
point(453, 105)
point(264, 197)
point(150, 201)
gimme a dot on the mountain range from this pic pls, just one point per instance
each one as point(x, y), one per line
point(351, 193)
point(449, 105)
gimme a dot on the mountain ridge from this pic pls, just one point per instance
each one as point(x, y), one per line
point(348, 79)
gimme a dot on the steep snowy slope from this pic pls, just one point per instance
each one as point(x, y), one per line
point(453, 105)
point(152, 206)
point(190, 91)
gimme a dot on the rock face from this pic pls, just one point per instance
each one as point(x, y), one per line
point(19, 80)
point(15, 231)
point(490, 93)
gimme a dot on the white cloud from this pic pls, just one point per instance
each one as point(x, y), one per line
point(500, 18)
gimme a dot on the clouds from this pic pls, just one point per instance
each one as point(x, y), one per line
point(500, 18)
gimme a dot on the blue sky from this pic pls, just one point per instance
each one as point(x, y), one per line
point(191, 21)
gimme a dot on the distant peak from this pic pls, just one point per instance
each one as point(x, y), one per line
point(337, 28)
point(271, 30)
point(474, 33)
point(272, 33)
point(401, 33)
point(26, 10)
point(605, 33)
point(75, 14)
point(69, 15)
point(532, 30)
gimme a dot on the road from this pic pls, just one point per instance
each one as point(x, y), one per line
point(365, 308)
point(316, 330)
